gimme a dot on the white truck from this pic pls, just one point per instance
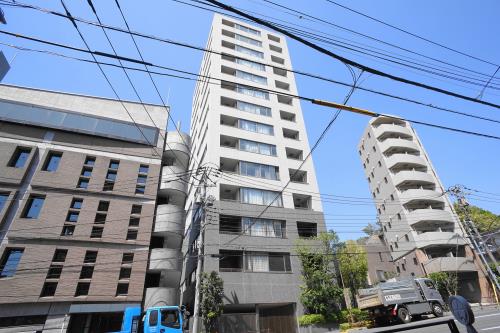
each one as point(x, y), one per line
point(401, 300)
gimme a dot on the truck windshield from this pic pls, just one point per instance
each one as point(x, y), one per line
point(170, 318)
point(429, 284)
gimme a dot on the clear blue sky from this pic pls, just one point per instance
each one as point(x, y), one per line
point(472, 27)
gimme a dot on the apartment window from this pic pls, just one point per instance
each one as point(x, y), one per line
point(10, 260)
point(143, 168)
point(246, 29)
point(68, 230)
point(33, 207)
point(21, 155)
point(114, 164)
point(111, 176)
point(125, 273)
point(294, 154)
point(273, 38)
point(246, 50)
point(301, 201)
point(90, 257)
point(59, 255)
point(252, 126)
point(246, 107)
point(385, 180)
point(257, 147)
point(407, 238)
point(282, 85)
point(275, 48)
point(383, 207)
point(3, 200)
point(415, 262)
point(54, 272)
point(247, 40)
point(96, 232)
point(82, 289)
point(290, 134)
point(230, 261)
point(86, 172)
point(108, 185)
point(390, 246)
point(396, 245)
point(132, 234)
point(122, 289)
point(403, 266)
point(260, 197)
point(83, 183)
point(89, 161)
point(392, 197)
point(72, 216)
point(287, 116)
point(380, 256)
point(244, 62)
point(127, 258)
point(134, 221)
point(389, 224)
point(87, 272)
point(280, 71)
point(298, 176)
point(364, 166)
point(136, 209)
point(100, 218)
point(245, 90)
point(285, 99)
point(307, 229)
point(76, 203)
point(48, 289)
point(399, 216)
point(258, 170)
point(369, 135)
point(278, 60)
point(267, 262)
point(263, 227)
point(374, 149)
point(52, 161)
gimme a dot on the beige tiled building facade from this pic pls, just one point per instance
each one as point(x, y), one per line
point(78, 190)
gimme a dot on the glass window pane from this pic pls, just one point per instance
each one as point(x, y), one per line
point(33, 207)
point(10, 260)
point(3, 200)
point(52, 162)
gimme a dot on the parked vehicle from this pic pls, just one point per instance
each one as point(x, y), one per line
point(401, 300)
point(162, 319)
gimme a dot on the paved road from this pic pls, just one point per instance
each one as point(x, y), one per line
point(487, 321)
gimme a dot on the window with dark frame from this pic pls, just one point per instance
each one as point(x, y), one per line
point(127, 258)
point(125, 273)
point(87, 272)
point(33, 206)
point(132, 234)
point(59, 255)
point(19, 158)
point(48, 289)
point(76, 203)
point(136, 209)
point(68, 230)
point(82, 289)
point(54, 272)
point(52, 161)
point(96, 232)
point(122, 289)
point(90, 257)
point(9, 262)
point(100, 218)
point(103, 206)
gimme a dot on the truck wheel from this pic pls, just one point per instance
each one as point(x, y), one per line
point(404, 315)
point(437, 310)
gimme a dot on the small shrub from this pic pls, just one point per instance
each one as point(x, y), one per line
point(355, 313)
point(345, 326)
point(311, 319)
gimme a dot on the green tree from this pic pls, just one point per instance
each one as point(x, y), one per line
point(211, 303)
point(484, 220)
point(353, 265)
point(320, 293)
point(446, 283)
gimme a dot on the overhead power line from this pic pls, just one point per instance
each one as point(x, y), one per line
point(309, 99)
point(348, 61)
point(410, 33)
point(181, 44)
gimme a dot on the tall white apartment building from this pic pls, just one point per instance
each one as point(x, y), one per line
point(418, 223)
point(257, 140)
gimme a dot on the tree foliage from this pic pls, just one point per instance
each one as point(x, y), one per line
point(320, 293)
point(446, 283)
point(484, 220)
point(353, 264)
point(211, 303)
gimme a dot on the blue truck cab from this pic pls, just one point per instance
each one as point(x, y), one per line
point(161, 319)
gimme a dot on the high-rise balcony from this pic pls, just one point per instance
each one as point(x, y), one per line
point(417, 194)
point(391, 128)
point(389, 144)
point(431, 215)
point(169, 220)
point(162, 259)
point(160, 296)
point(173, 183)
point(410, 176)
point(449, 264)
point(401, 159)
point(177, 147)
point(438, 238)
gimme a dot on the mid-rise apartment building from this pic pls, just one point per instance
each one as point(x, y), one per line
point(257, 142)
point(79, 181)
point(419, 226)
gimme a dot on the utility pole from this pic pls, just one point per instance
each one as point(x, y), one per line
point(204, 203)
point(471, 230)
